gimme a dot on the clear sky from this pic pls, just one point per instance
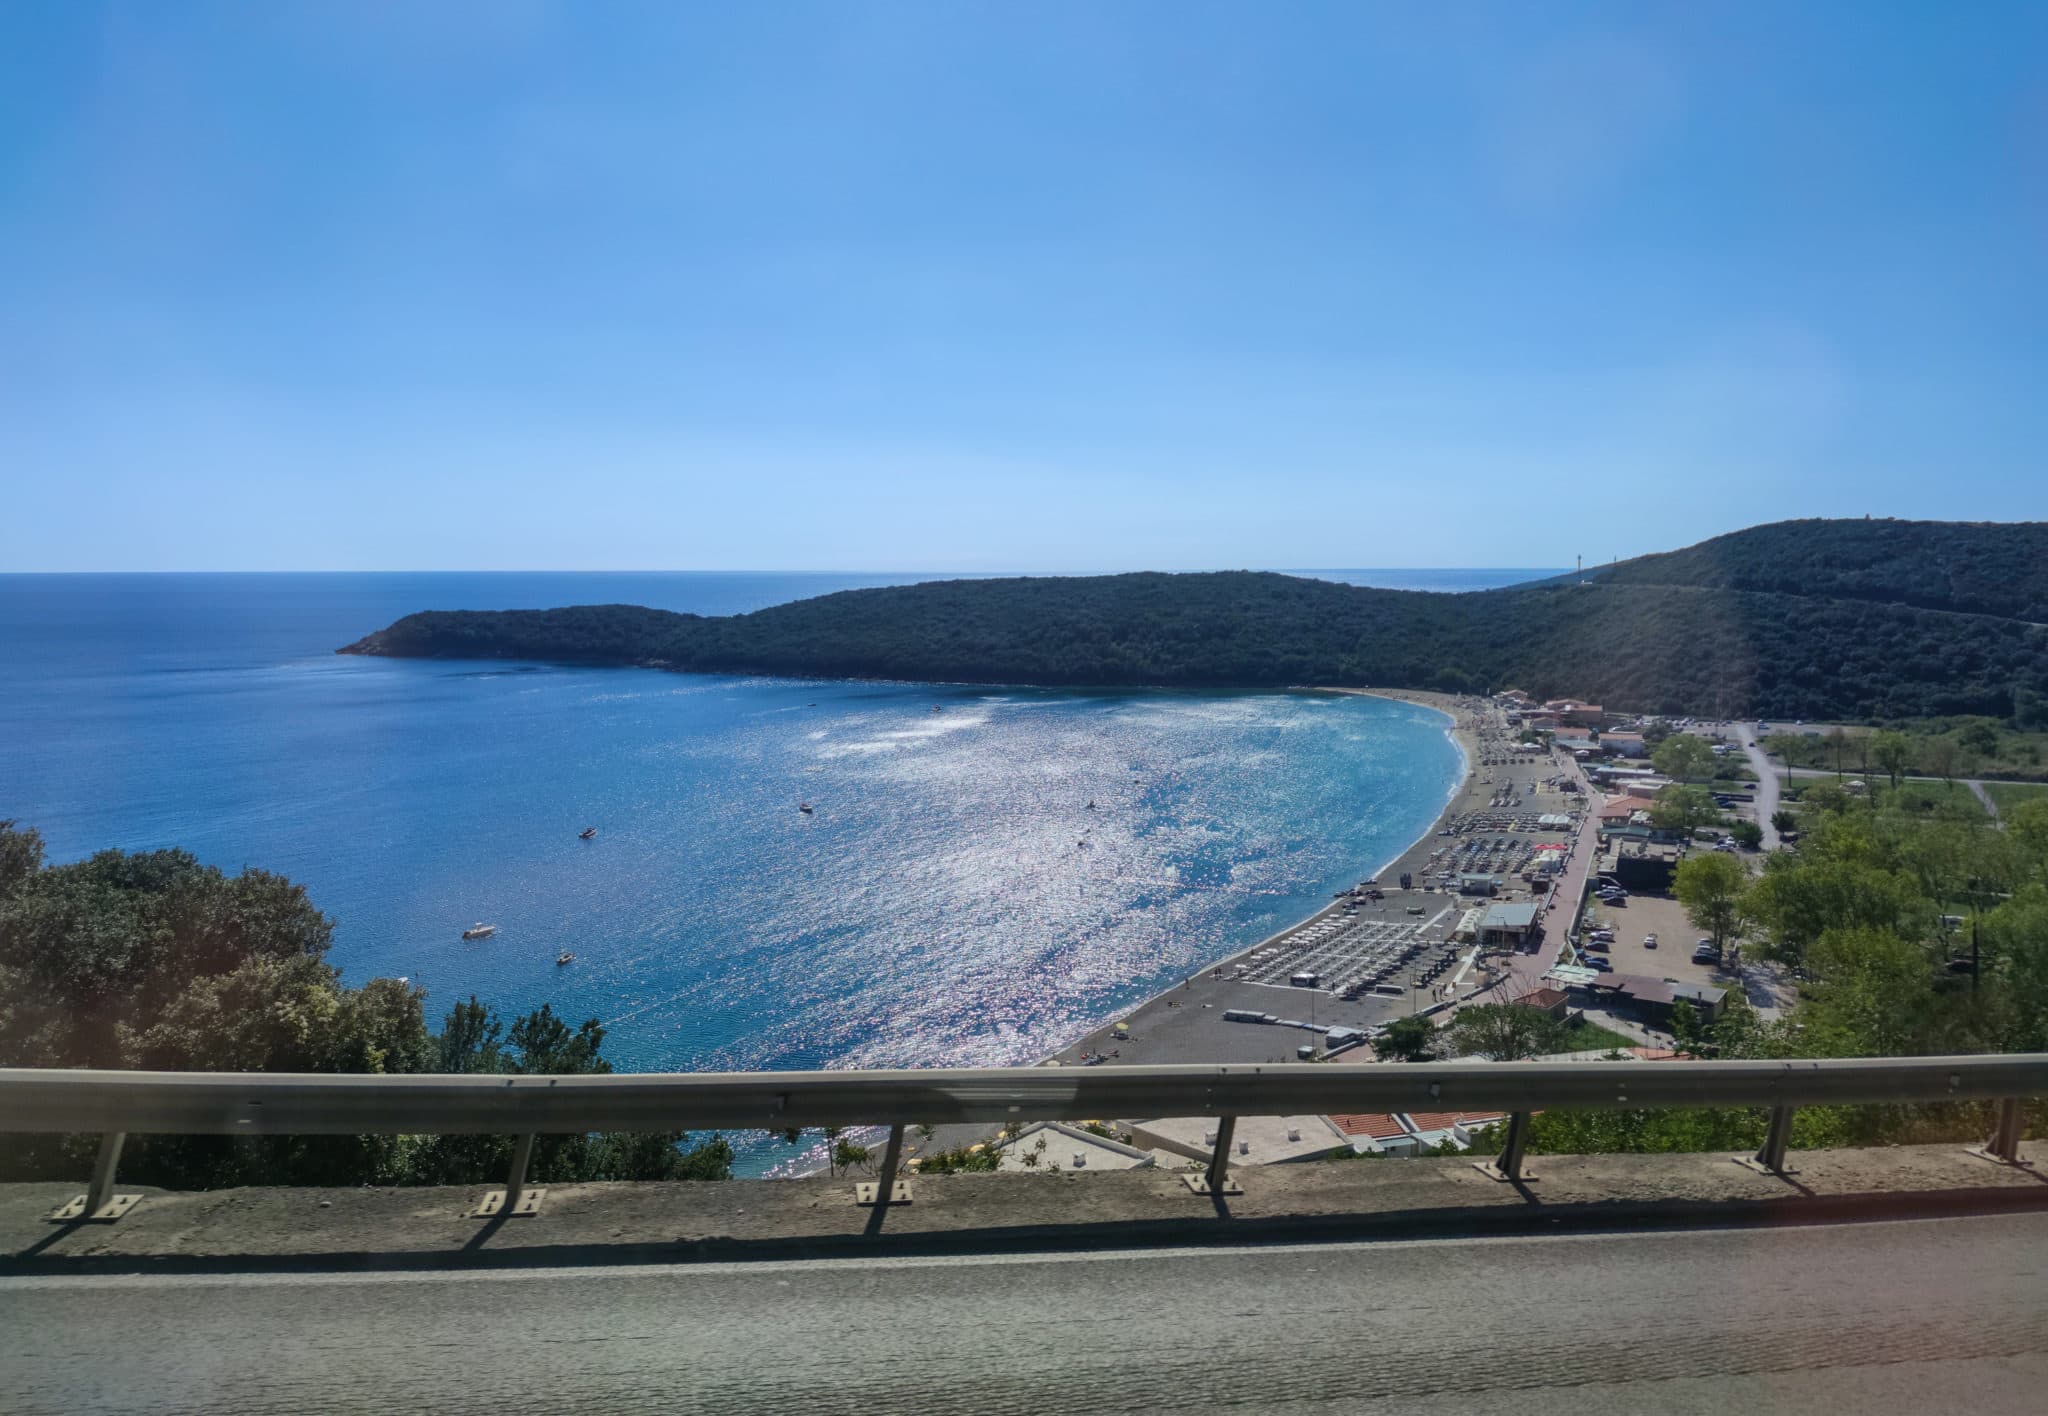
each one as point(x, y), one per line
point(1060, 286)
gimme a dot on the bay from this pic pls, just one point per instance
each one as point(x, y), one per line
point(953, 897)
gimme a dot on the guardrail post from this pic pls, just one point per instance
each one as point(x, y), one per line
point(516, 1200)
point(1216, 1179)
point(99, 1202)
point(2004, 1144)
point(885, 1188)
point(1508, 1164)
point(1771, 1158)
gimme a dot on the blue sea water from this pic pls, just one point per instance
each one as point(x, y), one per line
point(953, 899)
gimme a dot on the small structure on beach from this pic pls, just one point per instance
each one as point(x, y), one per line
point(1507, 924)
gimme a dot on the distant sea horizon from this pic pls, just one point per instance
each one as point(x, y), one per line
point(987, 875)
point(1440, 579)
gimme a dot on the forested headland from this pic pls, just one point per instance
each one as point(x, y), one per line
point(1866, 621)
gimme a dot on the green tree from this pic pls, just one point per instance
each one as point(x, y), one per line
point(471, 1040)
point(1825, 797)
point(154, 960)
point(1838, 748)
point(1687, 1032)
point(1940, 756)
point(1712, 887)
point(2027, 826)
point(1410, 1039)
point(846, 1155)
point(1747, 834)
point(1891, 752)
point(1980, 737)
point(1684, 810)
point(1784, 822)
point(1684, 756)
point(1799, 898)
point(1505, 1032)
point(21, 856)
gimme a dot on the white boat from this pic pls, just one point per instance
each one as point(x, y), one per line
point(480, 931)
point(804, 807)
point(564, 957)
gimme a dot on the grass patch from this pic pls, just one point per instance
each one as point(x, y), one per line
point(1929, 799)
point(1583, 1036)
point(2010, 794)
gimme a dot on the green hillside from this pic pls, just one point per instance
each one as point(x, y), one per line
point(1685, 632)
point(1973, 567)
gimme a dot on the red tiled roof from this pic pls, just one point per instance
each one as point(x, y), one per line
point(1377, 1125)
point(1544, 998)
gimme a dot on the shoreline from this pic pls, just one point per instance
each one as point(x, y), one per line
point(1456, 709)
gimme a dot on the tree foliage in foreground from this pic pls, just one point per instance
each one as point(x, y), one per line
point(1505, 1032)
point(1409, 1039)
point(152, 960)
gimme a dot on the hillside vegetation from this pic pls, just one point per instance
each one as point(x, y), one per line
point(1972, 567)
point(1665, 645)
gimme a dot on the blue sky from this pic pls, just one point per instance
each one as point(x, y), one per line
point(1060, 286)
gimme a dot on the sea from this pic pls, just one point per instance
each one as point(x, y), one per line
point(984, 875)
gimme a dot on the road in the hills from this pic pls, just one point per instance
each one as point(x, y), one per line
point(1932, 1315)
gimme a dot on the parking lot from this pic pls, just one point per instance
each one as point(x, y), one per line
point(1672, 958)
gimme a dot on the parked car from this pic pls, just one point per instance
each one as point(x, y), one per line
point(1600, 946)
point(1649, 941)
point(1598, 964)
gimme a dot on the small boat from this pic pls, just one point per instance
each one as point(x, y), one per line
point(480, 931)
point(565, 957)
point(588, 833)
point(805, 807)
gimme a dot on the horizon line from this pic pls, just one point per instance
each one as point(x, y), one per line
point(653, 570)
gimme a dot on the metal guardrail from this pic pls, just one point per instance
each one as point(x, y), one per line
point(115, 1104)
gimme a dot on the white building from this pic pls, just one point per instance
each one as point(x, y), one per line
point(1056, 1146)
point(1258, 1140)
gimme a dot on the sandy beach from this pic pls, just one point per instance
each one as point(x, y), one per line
point(1186, 1023)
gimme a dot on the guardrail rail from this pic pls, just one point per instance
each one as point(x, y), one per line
point(115, 1104)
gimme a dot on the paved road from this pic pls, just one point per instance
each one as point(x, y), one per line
point(1766, 783)
point(1948, 1315)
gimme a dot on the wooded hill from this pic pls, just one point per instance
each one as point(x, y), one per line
point(1723, 627)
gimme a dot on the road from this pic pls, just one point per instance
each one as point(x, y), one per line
point(1766, 782)
point(1928, 1315)
point(1525, 972)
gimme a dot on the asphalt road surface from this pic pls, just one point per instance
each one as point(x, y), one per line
point(1931, 1315)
